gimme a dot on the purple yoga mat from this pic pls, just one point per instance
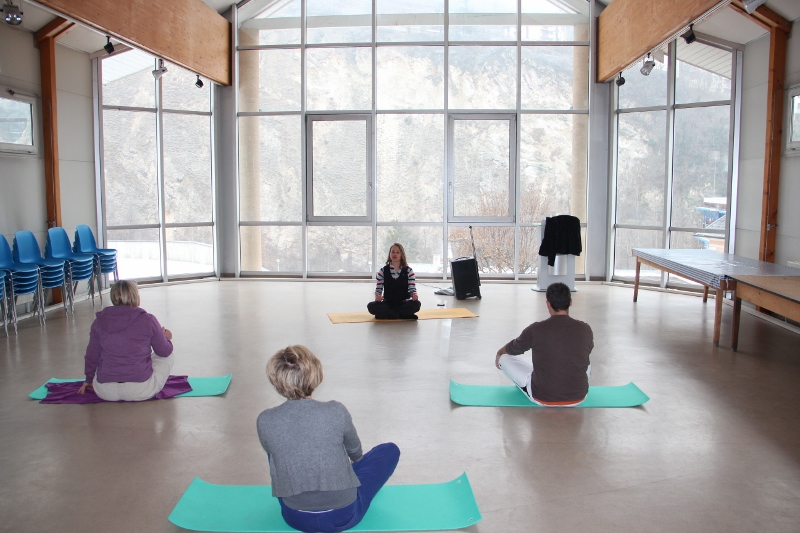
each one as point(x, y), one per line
point(68, 392)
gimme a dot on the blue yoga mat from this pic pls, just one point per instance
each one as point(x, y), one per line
point(510, 396)
point(206, 386)
point(252, 508)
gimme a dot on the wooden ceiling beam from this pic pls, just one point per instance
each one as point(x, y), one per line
point(764, 17)
point(628, 29)
point(184, 32)
point(53, 29)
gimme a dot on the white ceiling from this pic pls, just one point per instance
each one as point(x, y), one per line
point(725, 23)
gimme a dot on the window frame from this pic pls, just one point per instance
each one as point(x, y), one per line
point(792, 148)
point(369, 188)
point(23, 149)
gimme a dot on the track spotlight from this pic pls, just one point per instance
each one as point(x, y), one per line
point(108, 46)
point(751, 5)
point(160, 71)
point(647, 66)
point(620, 80)
point(689, 36)
point(199, 82)
point(13, 15)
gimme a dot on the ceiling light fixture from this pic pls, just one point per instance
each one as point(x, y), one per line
point(647, 66)
point(13, 16)
point(689, 36)
point(160, 71)
point(199, 82)
point(108, 46)
point(620, 80)
point(752, 5)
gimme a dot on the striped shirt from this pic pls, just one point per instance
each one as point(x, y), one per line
point(412, 280)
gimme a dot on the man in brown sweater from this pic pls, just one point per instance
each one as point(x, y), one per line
point(560, 348)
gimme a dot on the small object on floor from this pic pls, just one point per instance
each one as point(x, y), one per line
point(440, 304)
point(252, 508)
point(510, 396)
point(424, 314)
point(65, 391)
point(446, 292)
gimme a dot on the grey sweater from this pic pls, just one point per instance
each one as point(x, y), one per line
point(310, 445)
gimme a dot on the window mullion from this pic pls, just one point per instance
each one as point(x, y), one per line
point(673, 65)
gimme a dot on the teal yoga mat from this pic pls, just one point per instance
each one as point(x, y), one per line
point(252, 508)
point(209, 386)
point(510, 396)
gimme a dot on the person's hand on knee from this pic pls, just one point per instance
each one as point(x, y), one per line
point(500, 353)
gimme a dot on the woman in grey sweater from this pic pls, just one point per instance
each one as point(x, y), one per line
point(319, 474)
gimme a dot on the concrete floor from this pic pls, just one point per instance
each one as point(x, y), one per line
point(717, 448)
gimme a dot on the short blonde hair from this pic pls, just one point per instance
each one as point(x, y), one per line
point(294, 372)
point(125, 292)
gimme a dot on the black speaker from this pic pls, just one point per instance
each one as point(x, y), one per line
point(466, 281)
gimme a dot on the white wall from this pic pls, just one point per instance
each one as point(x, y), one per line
point(22, 187)
point(751, 157)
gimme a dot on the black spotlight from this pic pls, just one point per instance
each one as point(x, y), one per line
point(620, 80)
point(109, 47)
point(689, 36)
point(13, 16)
point(199, 82)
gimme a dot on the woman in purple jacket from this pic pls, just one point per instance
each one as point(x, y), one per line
point(120, 361)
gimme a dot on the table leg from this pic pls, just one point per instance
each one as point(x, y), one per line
point(636, 281)
point(737, 311)
point(705, 293)
point(718, 311)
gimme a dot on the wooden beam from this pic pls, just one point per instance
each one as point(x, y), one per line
point(53, 29)
point(774, 142)
point(185, 32)
point(52, 180)
point(628, 29)
point(764, 17)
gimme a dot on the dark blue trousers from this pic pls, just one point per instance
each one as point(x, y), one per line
point(373, 471)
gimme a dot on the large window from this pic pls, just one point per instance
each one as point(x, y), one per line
point(358, 129)
point(674, 151)
point(157, 168)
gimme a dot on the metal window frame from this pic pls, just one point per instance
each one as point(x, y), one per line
point(316, 220)
point(671, 107)
point(162, 225)
point(445, 112)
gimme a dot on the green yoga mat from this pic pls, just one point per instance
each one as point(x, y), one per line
point(209, 386)
point(510, 396)
point(252, 508)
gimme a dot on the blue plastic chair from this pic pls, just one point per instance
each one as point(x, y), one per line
point(105, 258)
point(78, 266)
point(19, 279)
point(51, 271)
point(3, 300)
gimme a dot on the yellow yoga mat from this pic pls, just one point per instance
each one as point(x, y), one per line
point(423, 314)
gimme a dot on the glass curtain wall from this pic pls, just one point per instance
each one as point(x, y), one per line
point(156, 168)
point(409, 123)
point(674, 140)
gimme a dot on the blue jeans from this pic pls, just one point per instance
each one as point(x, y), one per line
point(373, 471)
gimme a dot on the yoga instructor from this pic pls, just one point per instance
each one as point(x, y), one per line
point(319, 474)
point(396, 290)
point(129, 355)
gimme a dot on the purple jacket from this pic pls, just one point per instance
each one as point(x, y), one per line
point(121, 342)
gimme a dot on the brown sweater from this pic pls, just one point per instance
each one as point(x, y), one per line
point(560, 348)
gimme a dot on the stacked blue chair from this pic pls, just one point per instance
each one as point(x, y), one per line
point(105, 258)
point(78, 267)
point(19, 279)
point(51, 271)
point(3, 300)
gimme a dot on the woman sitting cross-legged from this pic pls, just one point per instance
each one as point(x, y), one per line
point(396, 291)
point(311, 445)
point(120, 363)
